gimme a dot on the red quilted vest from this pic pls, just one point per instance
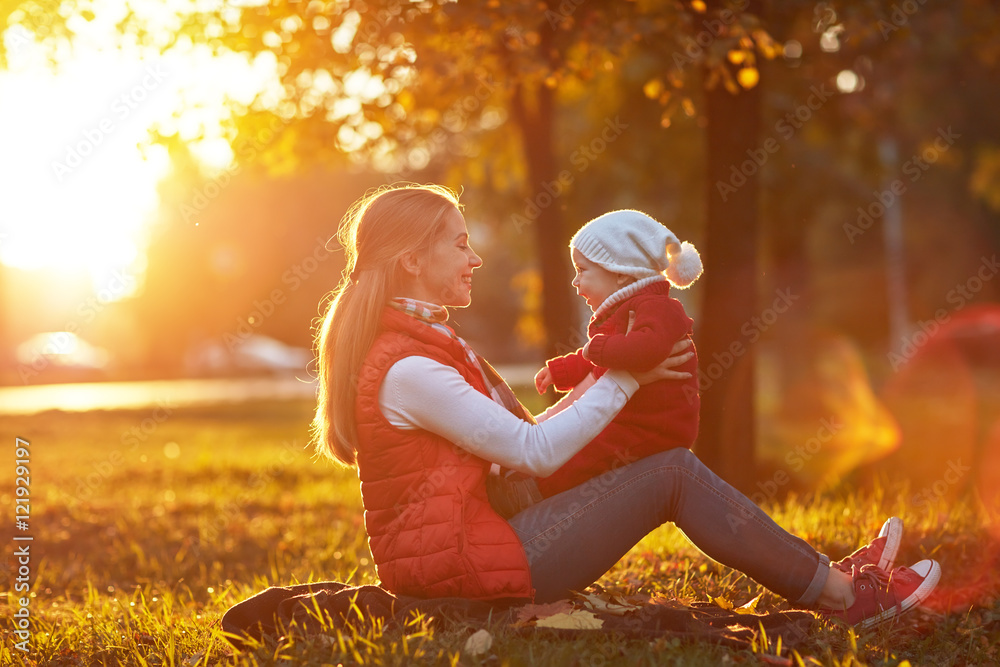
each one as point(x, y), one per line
point(431, 529)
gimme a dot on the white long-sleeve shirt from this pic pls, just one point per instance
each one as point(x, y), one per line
point(420, 393)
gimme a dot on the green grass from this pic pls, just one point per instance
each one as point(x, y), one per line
point(147, 527)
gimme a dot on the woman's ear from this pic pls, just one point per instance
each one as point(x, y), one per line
point(411, 263)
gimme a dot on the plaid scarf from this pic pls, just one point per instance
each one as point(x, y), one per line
point(509, 492)
point(435, 316)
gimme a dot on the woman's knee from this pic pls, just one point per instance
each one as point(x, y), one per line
point(678, 456)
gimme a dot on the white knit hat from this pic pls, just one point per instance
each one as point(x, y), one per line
point(632, 243)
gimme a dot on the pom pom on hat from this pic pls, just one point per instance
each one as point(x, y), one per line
point(685, 264)
point(633, 244)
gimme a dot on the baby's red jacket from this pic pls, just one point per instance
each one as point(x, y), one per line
point(660, 415)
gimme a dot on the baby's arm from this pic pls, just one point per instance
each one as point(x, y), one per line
point(657, 322)
point(567, 371)
point(418, 392)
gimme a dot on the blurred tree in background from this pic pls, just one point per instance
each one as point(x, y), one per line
point(478, 87)
point(759, 131)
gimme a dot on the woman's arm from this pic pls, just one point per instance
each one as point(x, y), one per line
point(418, 392)
point(567, 399)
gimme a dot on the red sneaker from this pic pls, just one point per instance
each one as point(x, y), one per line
point(882, 596)
point(881, 552)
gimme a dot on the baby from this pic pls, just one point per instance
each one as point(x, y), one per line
point(625, 263)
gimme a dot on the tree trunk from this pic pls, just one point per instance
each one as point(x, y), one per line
point(561, 328)
point(536, 120)
point(726, 356)
point(893, 237)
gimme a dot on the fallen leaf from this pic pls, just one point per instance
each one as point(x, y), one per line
point(669, 603)
point(194, 659)
point(143, 638)
point(609, 604)
point(749, 607)
point(478, 643)
point(530, 611)
point(723, 602)
point(573, 620)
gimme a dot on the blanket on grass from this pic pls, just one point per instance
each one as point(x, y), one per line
point(324, 607)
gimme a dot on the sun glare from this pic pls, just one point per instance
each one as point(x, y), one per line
point(79, 178)
point(78, 191)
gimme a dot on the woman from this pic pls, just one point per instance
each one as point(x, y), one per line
point(423, 418)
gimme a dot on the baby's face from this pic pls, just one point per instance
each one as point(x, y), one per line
point(592, 282)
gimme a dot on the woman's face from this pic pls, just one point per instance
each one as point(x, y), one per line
point(594, 283)
point(445, 276)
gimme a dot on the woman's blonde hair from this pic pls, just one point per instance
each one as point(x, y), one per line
point(375, 233)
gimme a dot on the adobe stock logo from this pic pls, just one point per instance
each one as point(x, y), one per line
point(953, 475)
point(899, 17)
point(913, 169)
point(959, 296)
point(77, 152)
point(785, 128)
point(752, 330)
point(18, 41)
point(581, 158)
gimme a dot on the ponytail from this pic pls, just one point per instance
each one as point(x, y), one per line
point(375, 233)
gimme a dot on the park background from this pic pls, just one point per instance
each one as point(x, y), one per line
point(173, 175)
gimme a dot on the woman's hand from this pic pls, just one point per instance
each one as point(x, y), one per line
point(663, 370)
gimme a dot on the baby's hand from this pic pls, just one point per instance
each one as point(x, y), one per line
point(543, 380)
